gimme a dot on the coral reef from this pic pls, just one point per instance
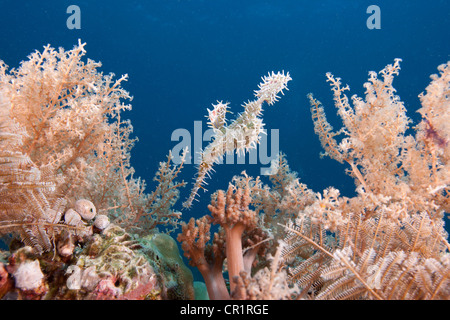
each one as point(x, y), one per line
point(269, 283)
point(156, 209)
point(28, 203)
point(71, 115)
point(208, 258)
point(110, 266)
point(64, 139)
point(387, 242)
point(79, 225)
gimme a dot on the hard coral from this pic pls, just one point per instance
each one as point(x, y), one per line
point(176, 279)
point(110, 257)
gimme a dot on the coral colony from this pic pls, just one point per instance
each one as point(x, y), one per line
point(79, 225)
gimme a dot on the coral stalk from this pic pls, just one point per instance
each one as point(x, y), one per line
point(234, 216)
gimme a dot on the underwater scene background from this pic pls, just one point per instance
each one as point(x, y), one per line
point(183, 56)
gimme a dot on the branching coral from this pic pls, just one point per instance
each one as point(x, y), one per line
point(389, 241)
point(280, 201)
point(63, 139)
point(66, 106)
point(382, 159)
point(147, 211)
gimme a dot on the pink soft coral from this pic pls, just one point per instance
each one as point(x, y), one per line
point(71, 114)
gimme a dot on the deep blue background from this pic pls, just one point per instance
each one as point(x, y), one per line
point(183, 55)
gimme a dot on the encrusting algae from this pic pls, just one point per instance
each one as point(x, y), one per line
point(80, 225)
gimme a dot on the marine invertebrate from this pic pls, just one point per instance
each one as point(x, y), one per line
point(110, 266)
point(69, 141)
point(85, 209)
point(101, 222)
point(388, 241)
point(71, 217)
point(155, 209)
point(208, 259)
point(29, 205)
point(382, 158)
point(231, 211)
point(70, 112)
point(175, 277)
point(235, 219)
point(29, 279)
point(281, 199)
point(269, 283)
point(240, 135)
point(28, 275)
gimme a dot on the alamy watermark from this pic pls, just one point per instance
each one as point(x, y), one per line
point(74, 20)
point(374, 20)
point(258, 155)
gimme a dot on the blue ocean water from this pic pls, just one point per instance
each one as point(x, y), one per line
point(183, 55)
